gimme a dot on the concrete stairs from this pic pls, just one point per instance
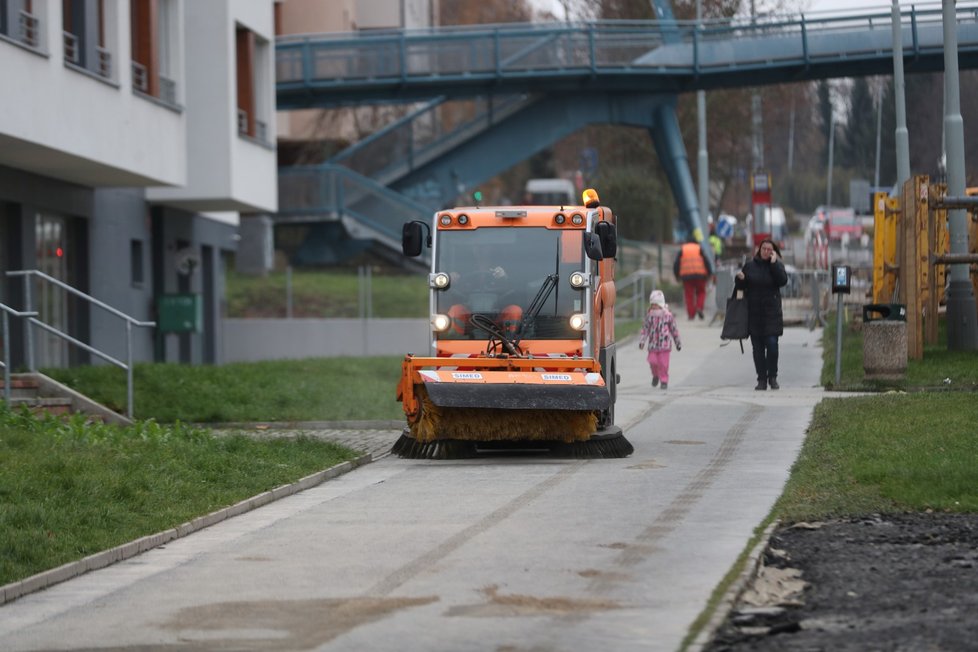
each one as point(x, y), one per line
point(44, 395)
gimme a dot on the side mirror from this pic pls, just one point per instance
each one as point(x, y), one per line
point(592, 246)
point(608, 234)
point(412, 237)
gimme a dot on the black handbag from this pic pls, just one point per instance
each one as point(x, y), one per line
point(735, 320)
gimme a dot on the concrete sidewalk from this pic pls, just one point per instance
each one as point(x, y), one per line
point(711, 458)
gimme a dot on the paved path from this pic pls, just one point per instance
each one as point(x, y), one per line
point(520, 554)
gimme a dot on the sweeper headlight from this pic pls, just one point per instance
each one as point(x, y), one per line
point(578, 280)
point(439, 280)
point(577, 219)
point(440, 323)
point(578, 322)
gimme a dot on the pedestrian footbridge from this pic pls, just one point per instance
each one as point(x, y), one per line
point(533, 84)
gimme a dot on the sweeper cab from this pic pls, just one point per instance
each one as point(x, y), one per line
point(523, 351)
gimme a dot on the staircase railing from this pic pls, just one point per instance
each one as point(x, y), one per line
point(7, 311)
point(335, 191)
point(422, 136)
point(33, 320)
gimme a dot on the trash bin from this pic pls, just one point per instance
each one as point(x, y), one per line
point(887, 312)
point(884, 341)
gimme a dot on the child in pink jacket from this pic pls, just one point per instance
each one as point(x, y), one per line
point(659, 331)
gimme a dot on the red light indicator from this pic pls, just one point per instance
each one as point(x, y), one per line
point(59, 252)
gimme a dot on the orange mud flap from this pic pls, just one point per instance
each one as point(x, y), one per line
point(460, 420)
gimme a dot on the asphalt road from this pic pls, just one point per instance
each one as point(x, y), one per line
point(521, 554)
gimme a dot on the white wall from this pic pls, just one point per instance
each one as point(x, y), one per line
point(69, 125)
point(250, 340)
point(225, 171)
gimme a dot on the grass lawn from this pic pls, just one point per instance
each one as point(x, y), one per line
point(316, 389)
point(69, 489)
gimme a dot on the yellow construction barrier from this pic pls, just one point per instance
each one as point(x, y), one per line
point(910, 230)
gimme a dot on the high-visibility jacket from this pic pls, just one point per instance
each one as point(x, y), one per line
point(691, 263)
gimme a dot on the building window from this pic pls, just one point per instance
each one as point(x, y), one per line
point(252, 58)
point(19, 22)
point(136, 263)
point(153, 34)
point(83, 34)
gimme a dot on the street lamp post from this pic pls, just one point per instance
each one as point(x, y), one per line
point(962, 320)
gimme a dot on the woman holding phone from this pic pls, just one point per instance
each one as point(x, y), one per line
point(761, 279)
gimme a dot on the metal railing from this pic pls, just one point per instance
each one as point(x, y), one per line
point(5, 363)
point(465, 60)
point(168, 90)
point(72, 54)
point(104, 62)
point(631, 293)
point(140, 77)
point(26, 274)
point(422, 136)
point(330, 192)
point(28, 29)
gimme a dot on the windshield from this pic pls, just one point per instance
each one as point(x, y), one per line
point(498, 272)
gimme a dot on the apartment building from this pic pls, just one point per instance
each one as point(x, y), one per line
point(133, 136)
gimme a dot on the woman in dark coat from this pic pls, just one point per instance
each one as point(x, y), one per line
point(761, 279)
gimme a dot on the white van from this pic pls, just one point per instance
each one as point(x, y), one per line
point(550, 192)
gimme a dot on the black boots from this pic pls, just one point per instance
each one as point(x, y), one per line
point(763, 384)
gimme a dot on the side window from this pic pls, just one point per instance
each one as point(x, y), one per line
point(21, 21)
point(252, 62)
point(136, 263)
point(84, 36)
point(153, 34)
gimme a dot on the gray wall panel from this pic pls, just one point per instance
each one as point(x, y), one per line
point(251, 340)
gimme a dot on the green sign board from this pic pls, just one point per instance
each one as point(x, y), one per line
point(180, 313)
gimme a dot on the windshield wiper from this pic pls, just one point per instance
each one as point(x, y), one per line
point(548, 286)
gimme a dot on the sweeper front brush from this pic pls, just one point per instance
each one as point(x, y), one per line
point(494, 423)
point(603, 445)
point(442, 432)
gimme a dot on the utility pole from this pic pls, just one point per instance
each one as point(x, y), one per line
point(791, 135)
point(757, 140)
point(899, 97)
point(828, 175)
point(702, 158)
point(879, 128)
point(962, 319)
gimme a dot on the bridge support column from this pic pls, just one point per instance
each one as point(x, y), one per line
point(668, 141)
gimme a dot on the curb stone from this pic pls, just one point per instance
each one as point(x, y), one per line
point(48, 578)
point(733, 593)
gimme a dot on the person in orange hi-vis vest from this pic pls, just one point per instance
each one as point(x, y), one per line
point(694, 269)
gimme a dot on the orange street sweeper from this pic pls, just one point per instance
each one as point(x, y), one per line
point(522, 334)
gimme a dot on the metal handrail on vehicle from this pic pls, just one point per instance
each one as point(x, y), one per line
point(5, 363)
point(33, 320)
